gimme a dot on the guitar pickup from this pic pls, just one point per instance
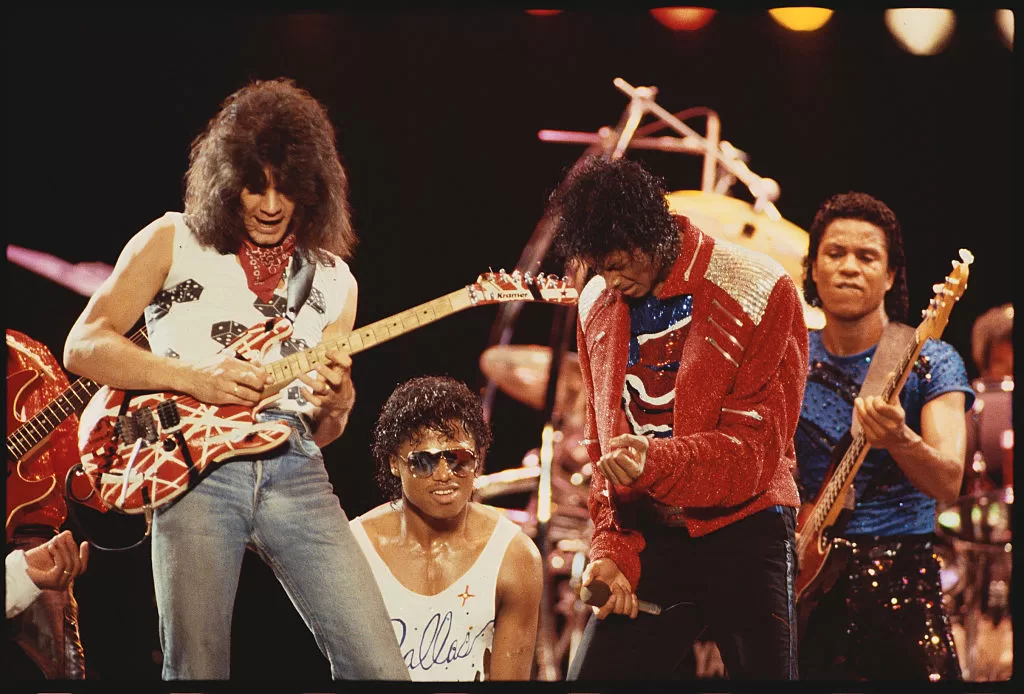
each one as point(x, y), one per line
point(167, 411)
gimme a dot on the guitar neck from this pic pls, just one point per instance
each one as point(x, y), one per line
point(287, 369)
point(42, 424)
point(72, 401)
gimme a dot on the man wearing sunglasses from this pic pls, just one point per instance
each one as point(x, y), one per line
point(461, 581)
point(693, 353)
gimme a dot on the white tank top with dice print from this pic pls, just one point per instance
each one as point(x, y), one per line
point(205, 303)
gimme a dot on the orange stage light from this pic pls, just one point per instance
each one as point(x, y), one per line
point(542, 13)
point(683, 18)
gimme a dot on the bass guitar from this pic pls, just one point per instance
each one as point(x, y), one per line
point(141, 450)
point(819, 554)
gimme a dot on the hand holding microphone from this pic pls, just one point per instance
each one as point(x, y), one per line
point(597, 593)
point(607, 590)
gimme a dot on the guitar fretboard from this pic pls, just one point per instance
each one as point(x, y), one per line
point(287, 369)
point(71, 401)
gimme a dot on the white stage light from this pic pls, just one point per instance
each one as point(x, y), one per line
point(921, 30)
point(1004, 20)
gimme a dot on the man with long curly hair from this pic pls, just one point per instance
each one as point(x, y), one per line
point(461, 581)
point(265, 233)
point(883, 617)
point(693, 352)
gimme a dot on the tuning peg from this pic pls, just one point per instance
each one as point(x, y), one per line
point(528, 278)
point(966, 256)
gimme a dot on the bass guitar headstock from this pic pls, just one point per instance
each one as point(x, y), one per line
point(947, 293)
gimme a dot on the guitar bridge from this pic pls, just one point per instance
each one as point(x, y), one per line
point(140, 424)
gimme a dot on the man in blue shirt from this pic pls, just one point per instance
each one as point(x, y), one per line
point(883, 618)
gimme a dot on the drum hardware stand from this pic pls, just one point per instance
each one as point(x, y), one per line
point(547, 668)
point(764, 190)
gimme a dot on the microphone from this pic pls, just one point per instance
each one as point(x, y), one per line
point(598, 592)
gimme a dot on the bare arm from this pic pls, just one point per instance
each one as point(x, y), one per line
point(520, 583)
point(933, 461)
point(330, 388)
point(96, 347)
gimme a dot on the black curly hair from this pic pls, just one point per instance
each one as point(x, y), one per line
point(855, 205)
point(270, 123)
point(438, 403)
point(613, 205)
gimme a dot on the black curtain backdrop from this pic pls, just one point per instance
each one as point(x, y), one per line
point(437, 114)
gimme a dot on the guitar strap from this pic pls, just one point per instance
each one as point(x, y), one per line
point(300, 282)
point(892, 347)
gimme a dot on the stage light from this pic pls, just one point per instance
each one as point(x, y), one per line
point(921, 30)
point(542, 13)
point(801, 18)
point(1004, 20)
point(683, 18)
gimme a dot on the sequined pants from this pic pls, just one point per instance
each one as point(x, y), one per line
point(883, 619)
point(48, 630)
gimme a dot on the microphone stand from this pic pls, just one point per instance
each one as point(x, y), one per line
point(561, 330)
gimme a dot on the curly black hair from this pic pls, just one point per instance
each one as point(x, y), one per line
point(438, 403)
point(855, 205)
point(275, 124)
point(613, 205)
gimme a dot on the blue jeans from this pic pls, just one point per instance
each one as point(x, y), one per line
point(281, 505)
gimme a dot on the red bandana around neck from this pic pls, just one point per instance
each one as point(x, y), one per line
point(264, 265)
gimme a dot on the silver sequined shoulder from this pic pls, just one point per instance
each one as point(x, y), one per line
point(747, 276)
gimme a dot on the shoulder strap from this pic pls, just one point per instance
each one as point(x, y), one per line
point(891, 348)
point(300, 282)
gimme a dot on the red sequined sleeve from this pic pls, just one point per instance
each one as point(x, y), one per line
point(610, 540)
point(738, 459)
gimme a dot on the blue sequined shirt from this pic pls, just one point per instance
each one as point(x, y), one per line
point(886, 502)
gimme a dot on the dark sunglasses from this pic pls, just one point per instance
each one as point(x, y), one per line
point(460, 461)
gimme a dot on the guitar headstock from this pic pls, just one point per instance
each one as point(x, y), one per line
point(947, 294)
point(501, 286)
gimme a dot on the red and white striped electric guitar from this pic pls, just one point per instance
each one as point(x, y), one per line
point(141, 450)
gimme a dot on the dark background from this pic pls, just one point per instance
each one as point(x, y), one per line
point(437, 114)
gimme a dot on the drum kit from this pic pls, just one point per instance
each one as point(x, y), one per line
point(556, 514)
point(976, 538)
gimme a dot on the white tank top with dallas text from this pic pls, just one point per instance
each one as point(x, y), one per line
point(443, 637)
point(205, 304)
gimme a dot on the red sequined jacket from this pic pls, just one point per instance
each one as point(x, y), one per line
point(739, 389)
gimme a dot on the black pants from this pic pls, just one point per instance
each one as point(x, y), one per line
point(736, 583)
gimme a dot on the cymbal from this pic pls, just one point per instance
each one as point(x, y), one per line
point(736, 221)
point(521, 371)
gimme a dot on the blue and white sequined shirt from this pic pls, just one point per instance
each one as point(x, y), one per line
point(886, 502)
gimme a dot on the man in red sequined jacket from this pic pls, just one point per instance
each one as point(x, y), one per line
point(693, 352)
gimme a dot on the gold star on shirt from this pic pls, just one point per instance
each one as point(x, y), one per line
point(465, 595)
